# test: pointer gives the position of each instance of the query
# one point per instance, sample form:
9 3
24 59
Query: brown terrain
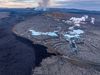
87 59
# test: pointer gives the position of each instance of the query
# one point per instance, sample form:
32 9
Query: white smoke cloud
42 5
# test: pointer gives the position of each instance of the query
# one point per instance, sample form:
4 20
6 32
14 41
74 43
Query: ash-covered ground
72 37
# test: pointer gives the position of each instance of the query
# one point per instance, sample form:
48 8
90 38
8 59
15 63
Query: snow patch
35 33
78 21
78 31
71 28
92 20
73 34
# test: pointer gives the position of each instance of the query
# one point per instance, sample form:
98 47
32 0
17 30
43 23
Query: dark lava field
17 55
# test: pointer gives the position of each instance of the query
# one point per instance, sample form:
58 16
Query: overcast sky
78 4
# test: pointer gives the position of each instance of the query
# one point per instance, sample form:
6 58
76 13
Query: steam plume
42 5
